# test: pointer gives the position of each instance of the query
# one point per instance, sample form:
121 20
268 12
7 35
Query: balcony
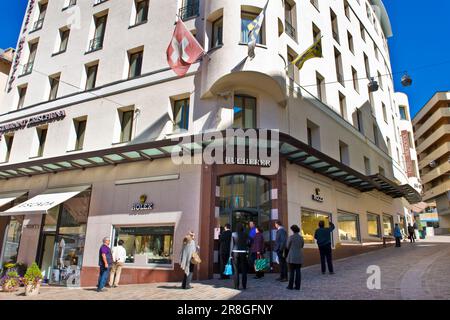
436 154
95 44
38 24
190 11
439 114
436 191
27 68
439 133
436 172
290 30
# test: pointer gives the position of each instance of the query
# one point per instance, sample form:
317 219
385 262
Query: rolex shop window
147 245
310 222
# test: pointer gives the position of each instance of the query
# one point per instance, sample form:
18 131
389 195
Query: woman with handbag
187 253
257 250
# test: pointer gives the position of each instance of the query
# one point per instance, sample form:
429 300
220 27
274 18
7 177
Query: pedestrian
323 238
412 236
295 246
224 249
105 262
119 255
252 228
280 249
240 245
397 235
187 251
257 250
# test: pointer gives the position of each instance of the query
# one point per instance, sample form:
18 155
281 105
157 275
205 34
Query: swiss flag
183 49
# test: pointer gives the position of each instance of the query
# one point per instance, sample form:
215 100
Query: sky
420 44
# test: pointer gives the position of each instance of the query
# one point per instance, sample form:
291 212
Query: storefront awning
396 191
40 204
10 197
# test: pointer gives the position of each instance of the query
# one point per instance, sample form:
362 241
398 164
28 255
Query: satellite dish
406 80
373 85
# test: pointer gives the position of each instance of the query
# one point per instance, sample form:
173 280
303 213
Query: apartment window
383 107
80 130
217 33
244 112
367 166
363 31
367 66
338 65
181 114
42 137
376 51
348 225
126 125
373 225
402 111
22 92
289 20
70 3
316 32
135 60
344 155
28 67
334 26
54 85
347 9
100 26
313 134
64 39
8 146
359 120
292 70
190 9
320 83
40 21
91 76
375 135
389 147
381 171
398 155
350 43
410 139
371 101
355 79
315 3
141 11
343 106
369 15
246 19
380 80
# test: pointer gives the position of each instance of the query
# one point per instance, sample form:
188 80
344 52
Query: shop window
244 112
217 33
310 222
246 19
373 225
12 240
348 226
181 114
388 225
147 245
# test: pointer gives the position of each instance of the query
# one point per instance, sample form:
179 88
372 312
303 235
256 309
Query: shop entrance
244 217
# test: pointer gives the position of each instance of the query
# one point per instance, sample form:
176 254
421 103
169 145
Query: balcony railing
95 44
290 30
27 68
38 24
190 11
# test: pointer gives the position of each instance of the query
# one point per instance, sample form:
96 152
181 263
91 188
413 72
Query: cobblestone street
415 271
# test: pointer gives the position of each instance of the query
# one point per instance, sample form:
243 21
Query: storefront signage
317 197
32 226
142 205
249 162
33 121
20 45
407 154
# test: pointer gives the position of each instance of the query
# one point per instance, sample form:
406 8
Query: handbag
228 268
262 264
196 258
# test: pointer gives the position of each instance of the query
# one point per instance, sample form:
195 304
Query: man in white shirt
119 256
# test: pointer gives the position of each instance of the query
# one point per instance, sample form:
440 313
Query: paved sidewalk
414 271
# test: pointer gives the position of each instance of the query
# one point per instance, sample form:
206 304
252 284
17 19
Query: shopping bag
228 268
262 264
196 258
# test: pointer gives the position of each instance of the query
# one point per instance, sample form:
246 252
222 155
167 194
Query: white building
88 120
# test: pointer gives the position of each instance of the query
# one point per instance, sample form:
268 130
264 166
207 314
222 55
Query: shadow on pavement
170 287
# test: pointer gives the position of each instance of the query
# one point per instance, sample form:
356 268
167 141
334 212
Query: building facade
432 129
6 58
92 135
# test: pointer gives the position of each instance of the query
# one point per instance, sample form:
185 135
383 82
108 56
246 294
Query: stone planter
32 290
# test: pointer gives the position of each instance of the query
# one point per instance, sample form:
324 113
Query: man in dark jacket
224 249
323 238
412 236
280 249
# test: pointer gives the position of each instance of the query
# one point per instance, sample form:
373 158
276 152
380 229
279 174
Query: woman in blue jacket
398 236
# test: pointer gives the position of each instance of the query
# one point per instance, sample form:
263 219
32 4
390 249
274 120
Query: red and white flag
183 49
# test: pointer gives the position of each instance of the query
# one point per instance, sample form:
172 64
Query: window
12 240
363 31
344 155
42 137
348 226
343 106
9 138
350 43
91 76
334 26
347 9
135 61
141 11
244 112
246 19
367 166
54 85
126 125
375 135
315 3
383 107
359 121
376 51
320 83
355 79
289 20
64 39
380 80
316 32
410 139
371 101
369 15
398 155
388 225
367 66
22 93
217 33
80 130
40 21
147 245
338 65
28 67
70 3
100 26
313 134
373 225
310 221
389 147
181 114
189 10
381 170
402 111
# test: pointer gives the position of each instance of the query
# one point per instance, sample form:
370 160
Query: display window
373 225
310 222
348 227
388 225
146 245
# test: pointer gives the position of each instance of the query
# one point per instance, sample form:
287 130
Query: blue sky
420 45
